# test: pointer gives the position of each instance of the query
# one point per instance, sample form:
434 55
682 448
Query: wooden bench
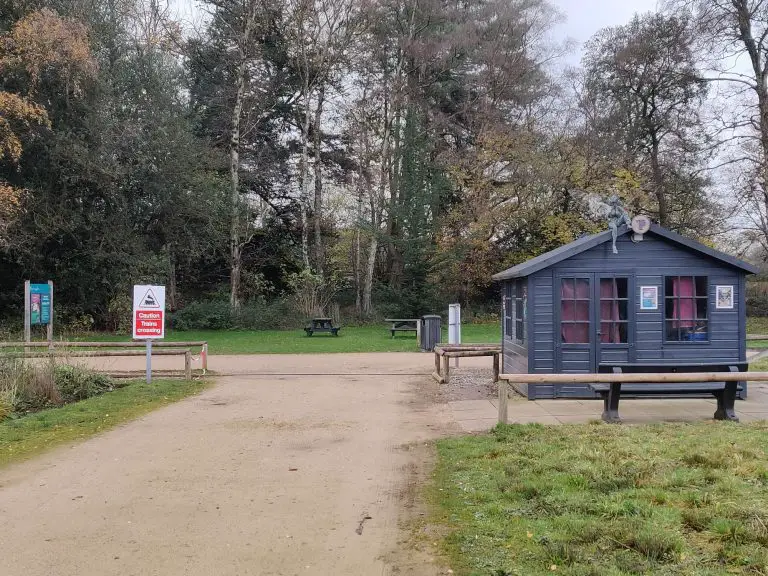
322 325
404 325
724 392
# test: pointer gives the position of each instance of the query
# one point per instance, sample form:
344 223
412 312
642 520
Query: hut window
509 301
614 310
686 306
574 310
521 297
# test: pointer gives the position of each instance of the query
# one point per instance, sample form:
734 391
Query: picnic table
404 325
322 325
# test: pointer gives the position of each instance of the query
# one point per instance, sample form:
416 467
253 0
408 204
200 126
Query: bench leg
445 374
611 403
726 402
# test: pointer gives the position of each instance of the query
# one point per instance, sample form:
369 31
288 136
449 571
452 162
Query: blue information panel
40 304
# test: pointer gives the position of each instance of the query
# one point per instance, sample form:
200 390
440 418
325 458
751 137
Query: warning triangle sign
149 300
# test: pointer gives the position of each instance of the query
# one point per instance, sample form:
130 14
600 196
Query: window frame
628 322
519 301
509 299
589 323
695 297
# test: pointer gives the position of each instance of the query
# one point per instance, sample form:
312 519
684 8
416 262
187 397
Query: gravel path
263 474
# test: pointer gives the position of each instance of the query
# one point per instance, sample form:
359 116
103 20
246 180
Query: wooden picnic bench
322 325
724 392
404 325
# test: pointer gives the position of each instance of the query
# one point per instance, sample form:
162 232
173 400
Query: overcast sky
583 17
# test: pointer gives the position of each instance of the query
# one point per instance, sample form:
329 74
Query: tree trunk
358 271
304 179
235 245
368 287
173 296
658 183
318 208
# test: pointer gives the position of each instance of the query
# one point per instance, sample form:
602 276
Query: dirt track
262 474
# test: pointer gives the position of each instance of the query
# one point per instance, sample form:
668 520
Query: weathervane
616 217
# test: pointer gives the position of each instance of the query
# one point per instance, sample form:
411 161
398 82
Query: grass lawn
375 338
606 500
30 435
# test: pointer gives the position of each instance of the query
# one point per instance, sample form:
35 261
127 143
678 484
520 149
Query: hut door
613 322
574 332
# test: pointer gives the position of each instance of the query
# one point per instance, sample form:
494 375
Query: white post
454 326
27 312
149 361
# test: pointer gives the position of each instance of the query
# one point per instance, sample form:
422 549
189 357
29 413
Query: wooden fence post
496 367
188 365
204 354
503 399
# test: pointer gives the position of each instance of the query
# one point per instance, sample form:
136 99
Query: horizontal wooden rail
625 378
186 352
203 345
757 336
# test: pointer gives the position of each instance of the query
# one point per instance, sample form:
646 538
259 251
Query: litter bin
430 332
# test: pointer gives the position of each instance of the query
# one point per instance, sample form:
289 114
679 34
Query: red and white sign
148 312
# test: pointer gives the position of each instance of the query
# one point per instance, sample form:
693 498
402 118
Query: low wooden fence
448 351
203 346
627 378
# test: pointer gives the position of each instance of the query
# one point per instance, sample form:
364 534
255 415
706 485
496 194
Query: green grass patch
606 500
30 435
375 338
757 325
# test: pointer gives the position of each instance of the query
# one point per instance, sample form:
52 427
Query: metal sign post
148 318
454 326
149 361
38 309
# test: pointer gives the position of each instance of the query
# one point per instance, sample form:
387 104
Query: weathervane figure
616 217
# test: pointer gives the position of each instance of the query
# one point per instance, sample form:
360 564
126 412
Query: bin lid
431 316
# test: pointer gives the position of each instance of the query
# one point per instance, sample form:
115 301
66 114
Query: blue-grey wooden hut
662 299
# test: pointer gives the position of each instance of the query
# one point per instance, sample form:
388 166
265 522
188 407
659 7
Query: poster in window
649 298
724 298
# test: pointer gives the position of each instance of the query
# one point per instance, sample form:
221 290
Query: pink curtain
574 310
684 308
609 312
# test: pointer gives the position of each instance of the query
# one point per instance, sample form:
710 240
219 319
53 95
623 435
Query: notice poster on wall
724 300
649 298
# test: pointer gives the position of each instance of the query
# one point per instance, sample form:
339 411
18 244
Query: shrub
205 315
27 387
254 315
75 383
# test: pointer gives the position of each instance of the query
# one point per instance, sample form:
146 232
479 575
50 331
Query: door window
614 310
574 310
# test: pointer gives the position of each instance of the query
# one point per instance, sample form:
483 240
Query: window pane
623 307
607 289
568 310
575 333
623 332
701 286
669 307
701 308
582 288
520 334
668 283
567 291
673 332
622 287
